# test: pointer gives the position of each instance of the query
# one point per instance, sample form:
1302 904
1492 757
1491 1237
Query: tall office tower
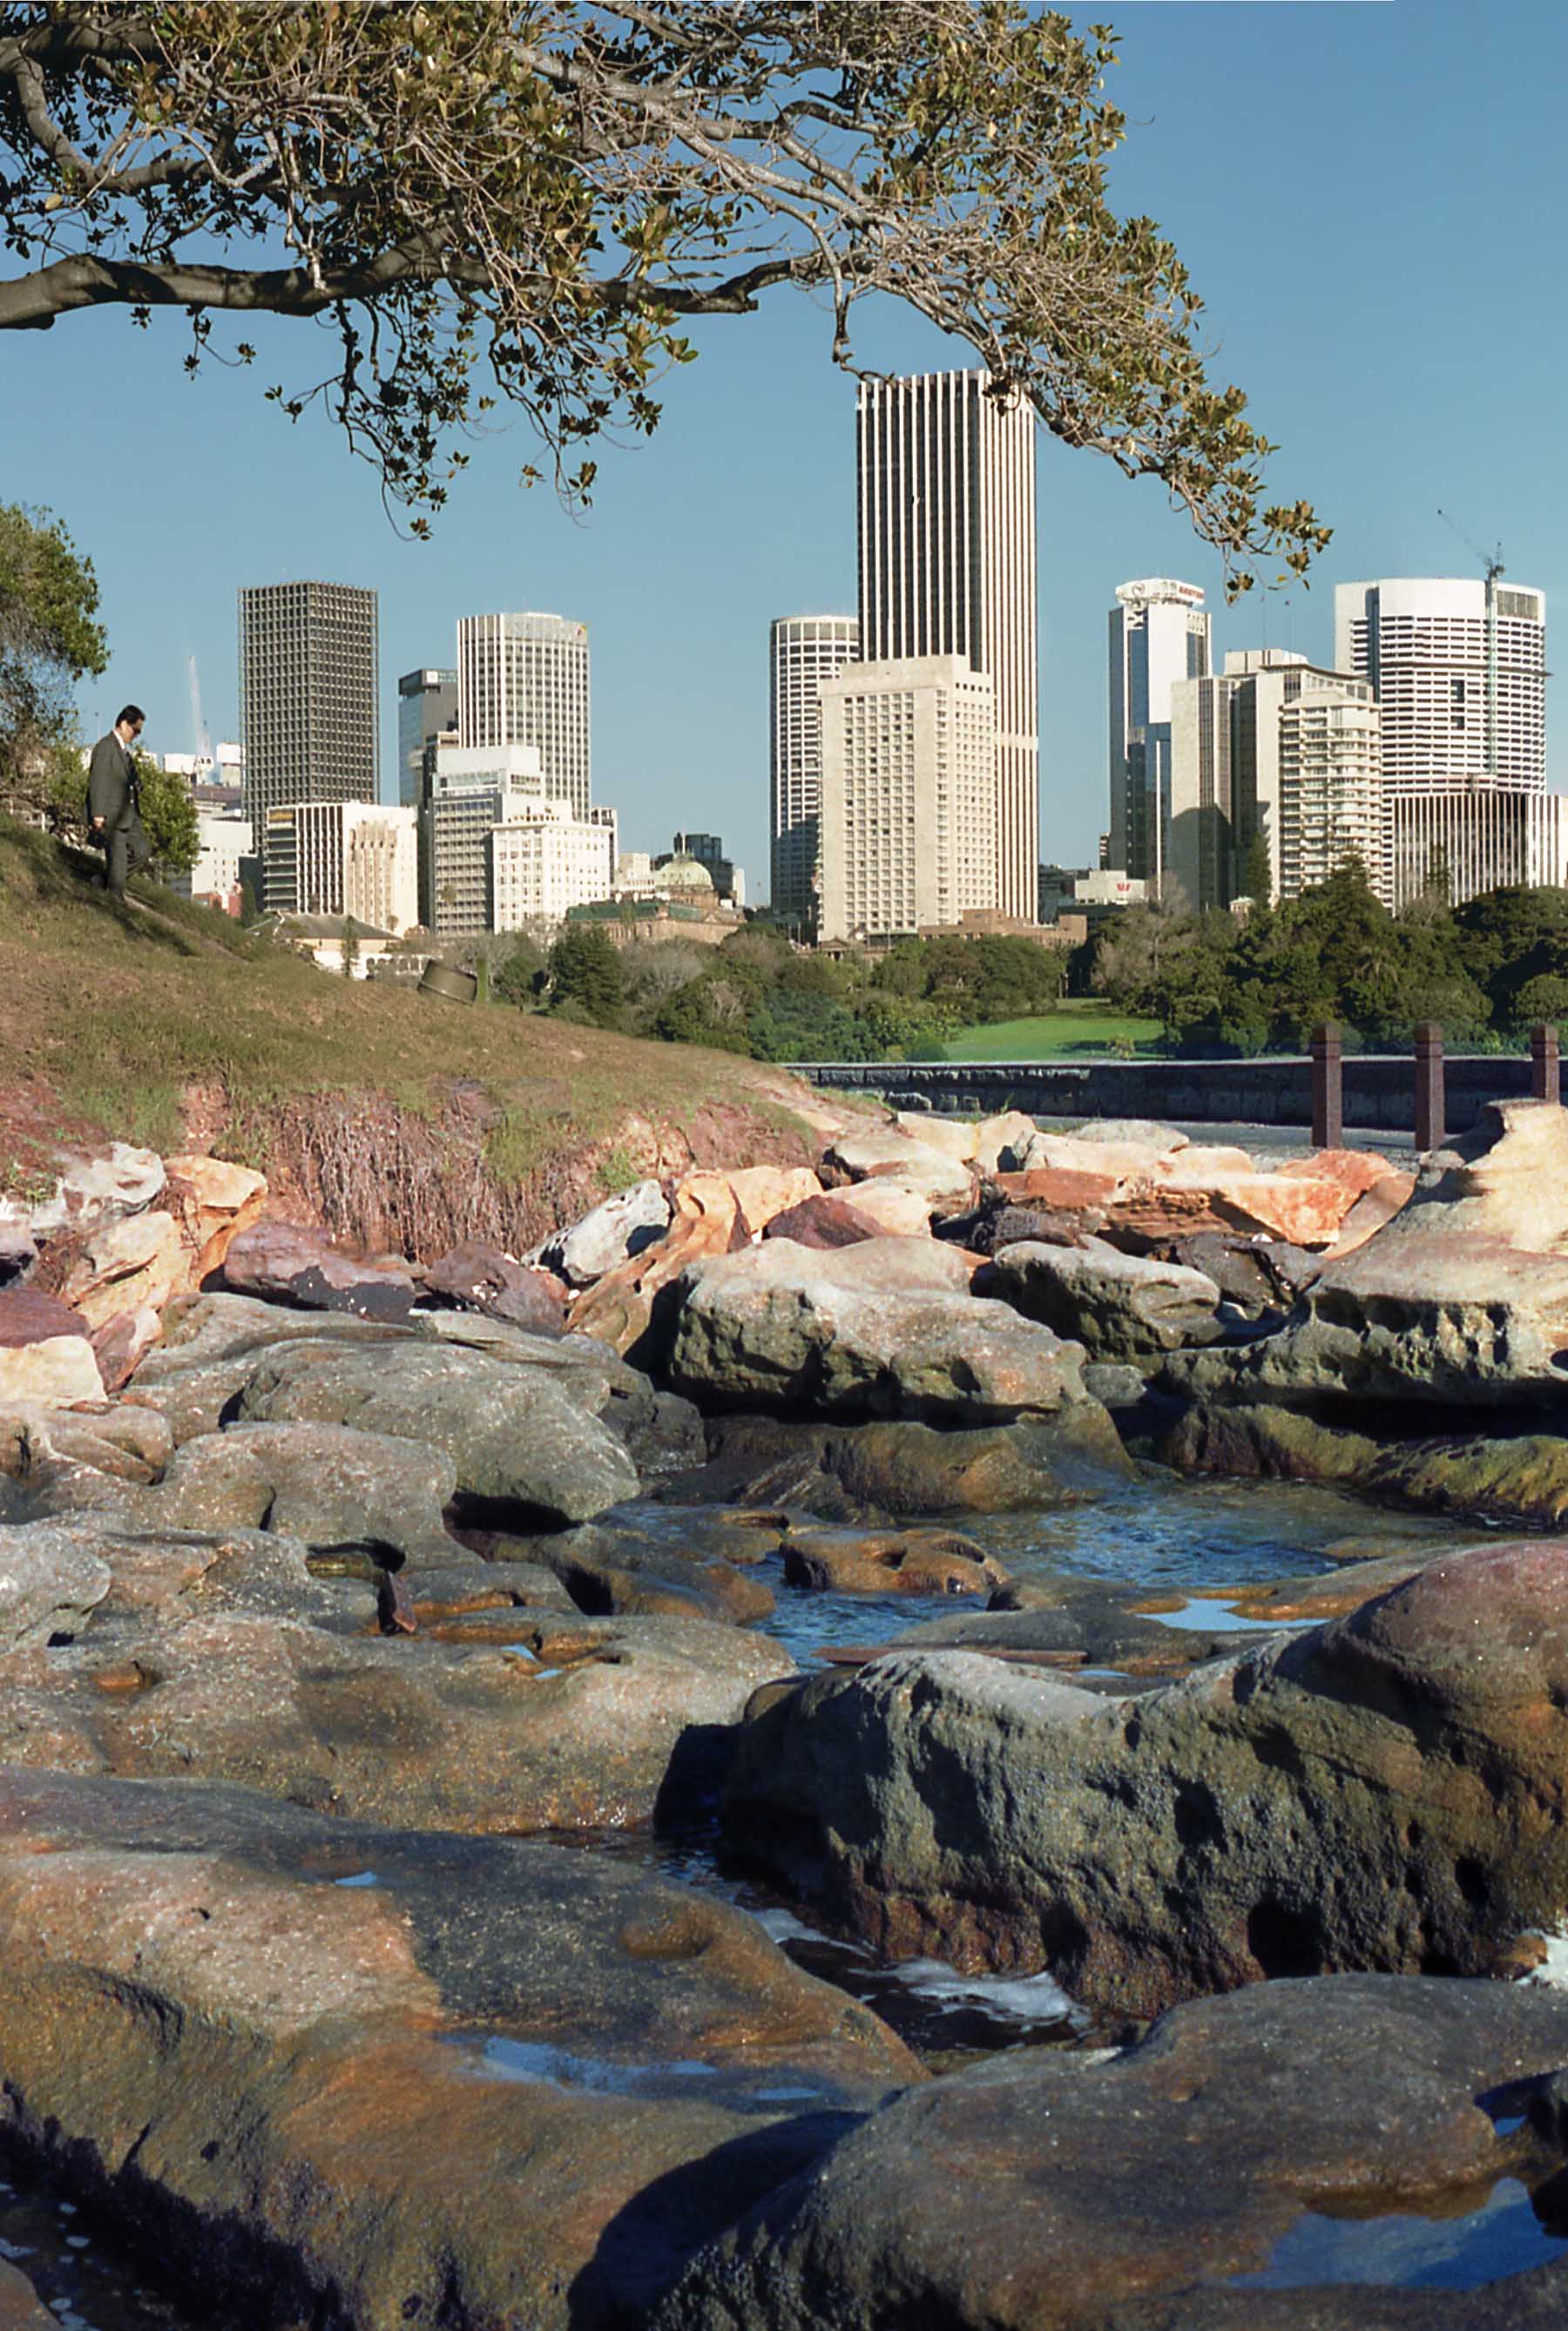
908 832
1274 747
1159 634
472 790
426 712
523 680
802 652
1462 690
947 567
309 695
342 858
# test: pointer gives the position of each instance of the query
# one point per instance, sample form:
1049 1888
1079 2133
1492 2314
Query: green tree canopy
528 199
585 976
48 637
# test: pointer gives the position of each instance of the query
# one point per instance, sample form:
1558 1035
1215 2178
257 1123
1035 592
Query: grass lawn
1078 1029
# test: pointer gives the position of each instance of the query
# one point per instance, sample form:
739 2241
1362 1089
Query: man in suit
114 801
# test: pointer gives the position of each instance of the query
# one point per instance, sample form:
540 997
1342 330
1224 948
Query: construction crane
1494 567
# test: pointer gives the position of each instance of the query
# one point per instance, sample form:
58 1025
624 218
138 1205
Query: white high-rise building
543 866
523 680
909 837
221 844
357 859
472 789
1462 697
947 568
1159 635
803 652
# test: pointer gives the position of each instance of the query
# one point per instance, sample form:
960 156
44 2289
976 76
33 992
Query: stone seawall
1379 1087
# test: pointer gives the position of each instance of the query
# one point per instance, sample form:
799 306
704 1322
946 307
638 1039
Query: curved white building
1159 636
1424 643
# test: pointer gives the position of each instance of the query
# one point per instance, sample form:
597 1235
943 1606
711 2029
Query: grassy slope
111 1019
1076 1030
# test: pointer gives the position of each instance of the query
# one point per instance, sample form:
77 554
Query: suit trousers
126 850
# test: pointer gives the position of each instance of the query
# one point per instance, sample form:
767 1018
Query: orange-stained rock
1067 1190
1355 1170
888 1208
890 1562
136 1260
1306 1211
123 1342
1372 1211
714 1214
212 1199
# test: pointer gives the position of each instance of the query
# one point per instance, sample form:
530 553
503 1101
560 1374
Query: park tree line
1217 983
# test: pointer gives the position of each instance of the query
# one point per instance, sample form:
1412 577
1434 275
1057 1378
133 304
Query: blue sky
1370 199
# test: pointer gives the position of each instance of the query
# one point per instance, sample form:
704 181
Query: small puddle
1209 1614
1406 2251
538 2060
88 2281
359 1878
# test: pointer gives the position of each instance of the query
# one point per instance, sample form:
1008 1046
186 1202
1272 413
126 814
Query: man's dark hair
133 713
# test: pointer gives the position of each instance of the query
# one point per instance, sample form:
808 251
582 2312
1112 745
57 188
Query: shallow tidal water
1161 1536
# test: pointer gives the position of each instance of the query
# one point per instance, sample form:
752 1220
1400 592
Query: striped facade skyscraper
523 680
947 568
805 651
309 696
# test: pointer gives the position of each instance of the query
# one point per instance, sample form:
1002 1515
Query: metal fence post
1429 1128
1328 1089
1545 1072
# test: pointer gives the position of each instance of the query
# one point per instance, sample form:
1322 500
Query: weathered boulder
49 1583
326 1484
1001 1141
1255 1274
859 1472
18 1247
45 1354
1385 1791
886 1328
707 1219
622 1572
1461 1299
951 1135
127 1441
1289 2137
213 1200
474 1276
1303 1209
1372 1211
555 1720
289 1262
524 1449
122 1343
339 2075
93 1190
889 1562
863 1157
134 1262
1133 1133
890 1207
1118 1307
823 1222
1125 1151
1085 1195
211 1345
613 1233
21 2309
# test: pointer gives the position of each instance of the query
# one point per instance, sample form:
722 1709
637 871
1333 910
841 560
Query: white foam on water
1552 1973
1023 1999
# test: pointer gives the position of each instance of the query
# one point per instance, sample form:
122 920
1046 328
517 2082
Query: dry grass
117 1019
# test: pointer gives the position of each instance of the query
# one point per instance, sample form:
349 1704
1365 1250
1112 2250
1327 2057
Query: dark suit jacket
112 789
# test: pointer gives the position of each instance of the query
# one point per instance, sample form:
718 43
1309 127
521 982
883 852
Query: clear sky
1372 199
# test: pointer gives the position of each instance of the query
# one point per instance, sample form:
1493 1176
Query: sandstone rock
47 1583
21 2309
890 1207
93 1190
619 1307
627 1573
1149 2192
289 1262
1133 1133
477 1278
824 1221
870 1471
885 1328
373 2079
1117 1383
999 1225
889 1562
1118 1307
121 1344
523 1449
862 1156
949 1134
213 1200
1000 1142
1305 1211
327 1485
1373 1209
1255 1274
1461 1300
1356 1171
128 1441
1381 1792
136 1261
614 1232
1129 1159
1086 1195
18 1247
566 1722
29 1316
44 1352
763 1191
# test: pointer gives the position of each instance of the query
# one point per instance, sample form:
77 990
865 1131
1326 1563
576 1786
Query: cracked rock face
1386 1790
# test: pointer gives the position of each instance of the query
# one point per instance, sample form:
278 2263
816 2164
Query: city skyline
732 514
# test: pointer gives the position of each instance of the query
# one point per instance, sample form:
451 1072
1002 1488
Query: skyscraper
908 776
523 680
1463 697
947 568
309 695
1159 634
426 711
803 652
